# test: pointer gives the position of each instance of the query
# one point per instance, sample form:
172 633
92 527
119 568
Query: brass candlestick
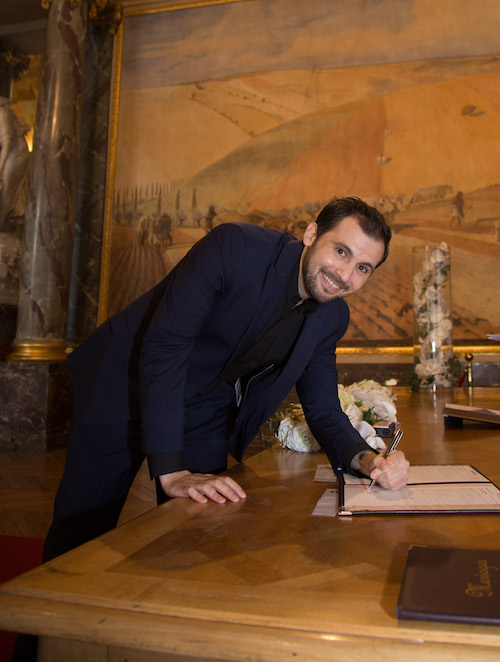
468 369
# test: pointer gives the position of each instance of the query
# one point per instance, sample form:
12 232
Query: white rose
430 367
383 409
369 435
345 398
296 436
353 413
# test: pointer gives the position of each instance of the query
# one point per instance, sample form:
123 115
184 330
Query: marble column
50 209
35 388
90 204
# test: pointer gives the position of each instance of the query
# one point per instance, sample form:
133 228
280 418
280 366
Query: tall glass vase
432 337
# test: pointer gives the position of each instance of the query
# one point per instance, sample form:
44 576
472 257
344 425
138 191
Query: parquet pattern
28 484
258 579
29 481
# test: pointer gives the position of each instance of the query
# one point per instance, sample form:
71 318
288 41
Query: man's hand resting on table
201 487
390 473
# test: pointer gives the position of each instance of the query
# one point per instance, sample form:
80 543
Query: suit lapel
275 284
301 352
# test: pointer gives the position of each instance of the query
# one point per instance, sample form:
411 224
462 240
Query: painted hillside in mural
272 148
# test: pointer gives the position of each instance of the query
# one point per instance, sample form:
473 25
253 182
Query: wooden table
263 580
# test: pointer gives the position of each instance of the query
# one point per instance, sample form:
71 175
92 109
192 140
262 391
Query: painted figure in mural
192 369
457 213
14 159
209 218
164 229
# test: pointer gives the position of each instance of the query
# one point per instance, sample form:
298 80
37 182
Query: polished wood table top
263 579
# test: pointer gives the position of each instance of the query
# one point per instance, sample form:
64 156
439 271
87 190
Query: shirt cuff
165 463
362 447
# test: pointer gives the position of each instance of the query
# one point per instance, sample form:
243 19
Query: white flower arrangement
365 403
434 361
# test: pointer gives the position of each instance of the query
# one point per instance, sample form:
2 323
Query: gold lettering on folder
482 589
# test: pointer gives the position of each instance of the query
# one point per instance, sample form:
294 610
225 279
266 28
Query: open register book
460 412
435 488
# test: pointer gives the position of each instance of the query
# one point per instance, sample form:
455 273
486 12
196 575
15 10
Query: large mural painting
263 111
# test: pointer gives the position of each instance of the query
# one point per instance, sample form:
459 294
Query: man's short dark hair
371 221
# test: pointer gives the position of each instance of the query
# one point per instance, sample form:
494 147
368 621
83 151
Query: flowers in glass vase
433 351
366 403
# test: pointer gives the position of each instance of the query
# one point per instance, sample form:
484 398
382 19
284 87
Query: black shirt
278 336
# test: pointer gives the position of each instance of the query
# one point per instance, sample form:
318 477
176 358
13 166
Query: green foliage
367 414
414 381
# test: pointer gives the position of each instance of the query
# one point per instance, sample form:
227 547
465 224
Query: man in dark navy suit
192 369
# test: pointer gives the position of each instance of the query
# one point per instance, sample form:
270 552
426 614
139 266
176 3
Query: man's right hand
201 487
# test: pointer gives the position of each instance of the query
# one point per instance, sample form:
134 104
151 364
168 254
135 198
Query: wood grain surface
263 579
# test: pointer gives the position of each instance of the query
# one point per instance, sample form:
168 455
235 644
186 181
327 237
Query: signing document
440 488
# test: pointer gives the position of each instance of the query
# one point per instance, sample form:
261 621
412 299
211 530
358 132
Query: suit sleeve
318 393
205 273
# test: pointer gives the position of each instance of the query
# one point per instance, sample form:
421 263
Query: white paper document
423 498
324 474
440 488
429 473
326 505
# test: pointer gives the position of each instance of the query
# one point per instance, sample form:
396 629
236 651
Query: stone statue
14 159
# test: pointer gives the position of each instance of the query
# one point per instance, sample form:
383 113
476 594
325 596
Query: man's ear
310 234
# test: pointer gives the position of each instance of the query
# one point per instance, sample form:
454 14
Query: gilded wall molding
139 8
407 350
109 192
99 11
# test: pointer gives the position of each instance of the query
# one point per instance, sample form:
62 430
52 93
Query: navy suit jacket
173 343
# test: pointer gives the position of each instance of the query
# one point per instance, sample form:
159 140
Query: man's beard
311 276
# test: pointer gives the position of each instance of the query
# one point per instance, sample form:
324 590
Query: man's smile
333 282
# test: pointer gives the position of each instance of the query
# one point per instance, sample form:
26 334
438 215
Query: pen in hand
391 447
